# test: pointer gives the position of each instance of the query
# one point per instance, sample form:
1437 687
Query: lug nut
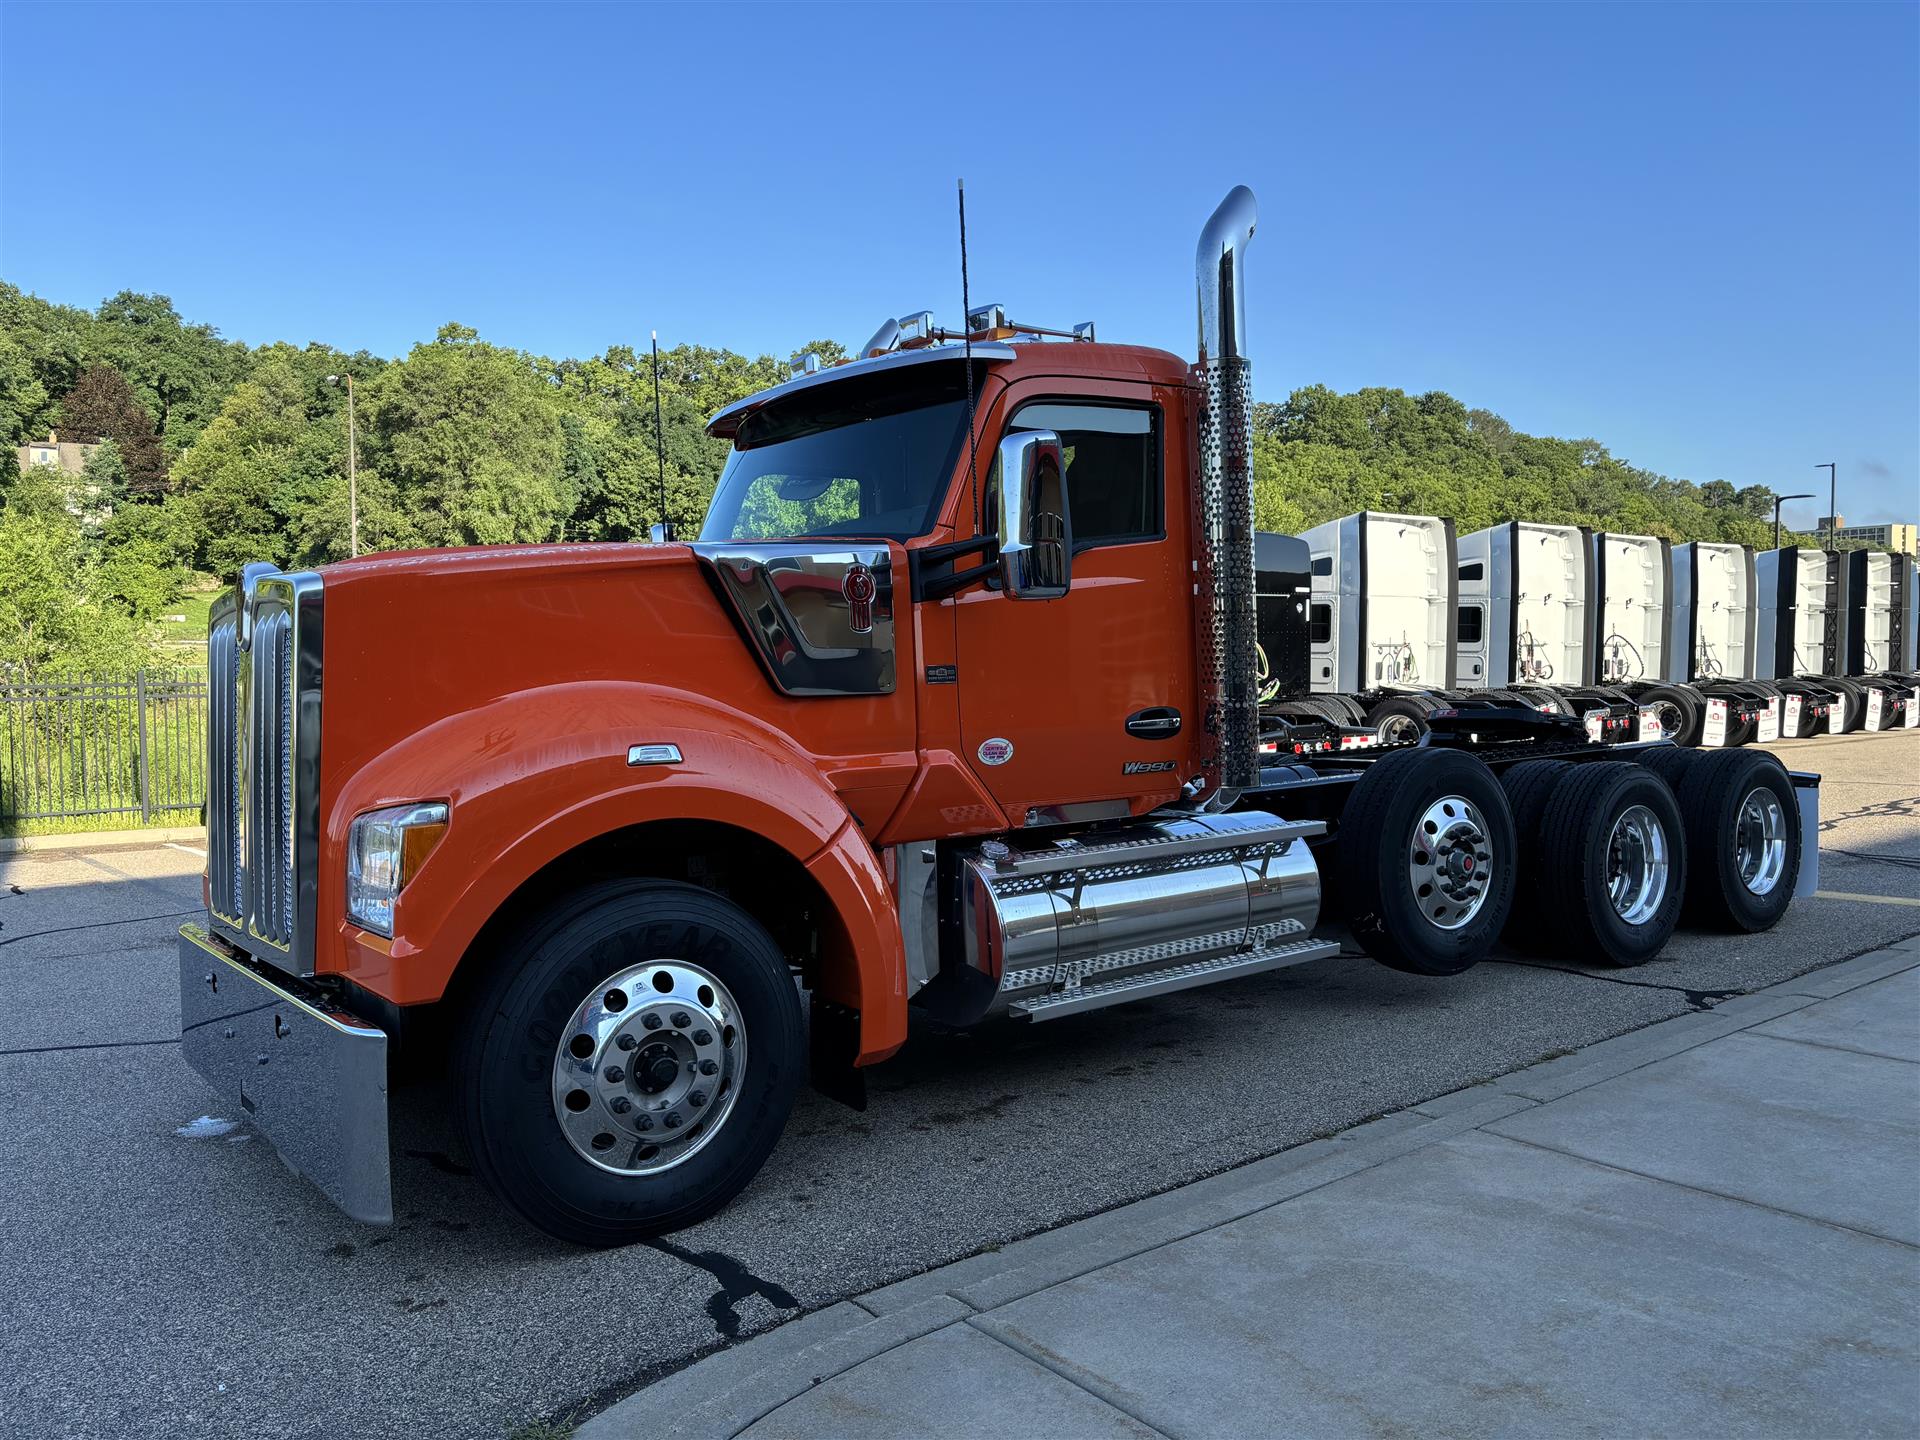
707 1067
615 1074
697 1099
626 1042
621 1105
703 1037
644 1122
673 1120
681 1019
652 1021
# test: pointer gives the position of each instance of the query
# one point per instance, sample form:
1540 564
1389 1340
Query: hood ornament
859 588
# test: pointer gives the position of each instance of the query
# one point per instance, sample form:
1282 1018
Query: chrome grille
263 738
269 863
225 878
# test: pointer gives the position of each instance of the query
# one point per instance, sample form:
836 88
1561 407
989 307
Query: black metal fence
89 748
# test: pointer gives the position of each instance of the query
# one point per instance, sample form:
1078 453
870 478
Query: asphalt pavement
161 1283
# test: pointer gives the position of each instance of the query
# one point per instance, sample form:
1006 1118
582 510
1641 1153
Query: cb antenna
660 438
966 328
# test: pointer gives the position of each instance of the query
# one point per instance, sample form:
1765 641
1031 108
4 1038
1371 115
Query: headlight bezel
386 849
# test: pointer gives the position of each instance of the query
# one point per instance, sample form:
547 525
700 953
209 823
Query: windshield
869 457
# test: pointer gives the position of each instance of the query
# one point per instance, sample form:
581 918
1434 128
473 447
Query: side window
1113 468
1467 629
1473 571
1323 565
1319 624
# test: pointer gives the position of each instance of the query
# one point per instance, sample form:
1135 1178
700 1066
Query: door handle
1162 722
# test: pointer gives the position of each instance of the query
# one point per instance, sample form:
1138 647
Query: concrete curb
102 839
728 1391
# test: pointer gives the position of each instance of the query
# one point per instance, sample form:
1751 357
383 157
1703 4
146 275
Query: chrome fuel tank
1159 894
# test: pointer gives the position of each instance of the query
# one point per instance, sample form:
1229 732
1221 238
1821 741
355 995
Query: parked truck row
955 705
1701 643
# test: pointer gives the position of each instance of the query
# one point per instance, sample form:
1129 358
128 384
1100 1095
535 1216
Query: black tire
1399 713
1378 830
1689 710
1712 795
1527 786
1347 708
1594 809
1852 703
507 1047
1669 762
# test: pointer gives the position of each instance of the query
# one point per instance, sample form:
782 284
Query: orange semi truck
953 704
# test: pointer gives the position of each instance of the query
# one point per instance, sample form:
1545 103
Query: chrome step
1077 998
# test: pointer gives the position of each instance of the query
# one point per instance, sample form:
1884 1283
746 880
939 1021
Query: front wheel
631 1061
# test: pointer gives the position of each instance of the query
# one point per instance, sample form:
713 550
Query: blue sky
1693 233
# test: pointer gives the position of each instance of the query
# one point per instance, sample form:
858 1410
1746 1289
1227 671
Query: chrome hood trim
819 615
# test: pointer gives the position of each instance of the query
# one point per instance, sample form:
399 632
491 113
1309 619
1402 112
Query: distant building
1831 522
69 456
1897 538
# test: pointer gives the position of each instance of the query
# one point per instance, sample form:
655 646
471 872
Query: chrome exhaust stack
1223 500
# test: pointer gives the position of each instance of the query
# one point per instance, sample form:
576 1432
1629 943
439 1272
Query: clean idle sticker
995 751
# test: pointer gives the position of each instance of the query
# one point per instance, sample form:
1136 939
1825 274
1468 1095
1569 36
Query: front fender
533 775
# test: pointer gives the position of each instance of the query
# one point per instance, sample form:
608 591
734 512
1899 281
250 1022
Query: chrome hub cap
1450 862
648 1067
1672 722
1637 865
1399 730
1760 840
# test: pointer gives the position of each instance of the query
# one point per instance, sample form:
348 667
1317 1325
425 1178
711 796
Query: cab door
1083 706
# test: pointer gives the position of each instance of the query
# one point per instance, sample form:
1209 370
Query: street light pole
1778 501
353 468
1833 503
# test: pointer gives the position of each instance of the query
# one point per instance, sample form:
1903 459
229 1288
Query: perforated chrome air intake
1223 496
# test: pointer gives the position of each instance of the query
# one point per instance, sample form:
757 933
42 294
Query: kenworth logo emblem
859 588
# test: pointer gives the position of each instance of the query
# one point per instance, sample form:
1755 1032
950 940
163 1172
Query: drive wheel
1527 786
1743 832
1612 863
1850 706
630 1062
1426 861
1680 714
1401 720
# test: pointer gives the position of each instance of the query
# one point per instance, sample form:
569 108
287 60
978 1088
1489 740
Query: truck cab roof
1012 359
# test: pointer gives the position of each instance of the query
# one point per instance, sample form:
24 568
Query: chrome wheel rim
1637 865
1399 730
1450 862
1760 840
1671 720
648 1067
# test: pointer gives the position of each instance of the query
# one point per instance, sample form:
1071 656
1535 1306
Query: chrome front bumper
311 1078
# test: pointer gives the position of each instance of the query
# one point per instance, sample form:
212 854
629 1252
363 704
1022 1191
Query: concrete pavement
1710 1226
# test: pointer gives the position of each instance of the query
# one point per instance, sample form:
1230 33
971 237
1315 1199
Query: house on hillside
69 456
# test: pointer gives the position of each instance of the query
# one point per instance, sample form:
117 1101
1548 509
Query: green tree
179 371
53 341
266 479
58 612
468 436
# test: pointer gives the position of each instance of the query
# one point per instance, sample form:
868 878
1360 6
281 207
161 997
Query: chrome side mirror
1036 533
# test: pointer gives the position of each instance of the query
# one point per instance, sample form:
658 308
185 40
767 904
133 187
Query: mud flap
835 1041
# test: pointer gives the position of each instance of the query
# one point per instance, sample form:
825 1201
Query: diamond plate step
1164 982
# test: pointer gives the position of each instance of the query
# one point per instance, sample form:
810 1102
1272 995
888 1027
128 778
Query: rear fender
532 776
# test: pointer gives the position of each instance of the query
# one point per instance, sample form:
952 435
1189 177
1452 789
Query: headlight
385 849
